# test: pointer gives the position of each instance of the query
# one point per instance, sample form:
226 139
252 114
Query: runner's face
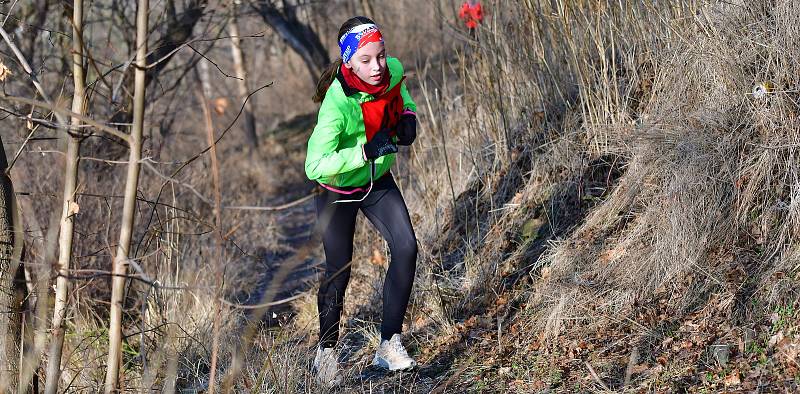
369 63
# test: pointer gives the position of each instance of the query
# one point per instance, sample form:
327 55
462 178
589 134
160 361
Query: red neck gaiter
355 82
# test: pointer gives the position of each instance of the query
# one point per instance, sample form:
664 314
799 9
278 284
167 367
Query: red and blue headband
356 38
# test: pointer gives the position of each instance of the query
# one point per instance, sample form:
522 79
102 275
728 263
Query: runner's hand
380 145
406 129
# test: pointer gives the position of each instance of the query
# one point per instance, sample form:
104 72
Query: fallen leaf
502 300
733 378
377 257
545 272
471 322
773 340
655 371
4 72
74 208
220 105
789 350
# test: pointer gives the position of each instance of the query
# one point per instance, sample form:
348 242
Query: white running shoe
326 367
392 355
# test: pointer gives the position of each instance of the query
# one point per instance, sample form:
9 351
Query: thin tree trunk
120 267
10 316
179 29
300 37
211 139
21 301
70 205
32 358
241 82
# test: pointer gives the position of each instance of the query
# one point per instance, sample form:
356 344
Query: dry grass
704 175
710 171
609 154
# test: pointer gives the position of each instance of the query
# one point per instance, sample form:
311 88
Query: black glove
406 129
381 144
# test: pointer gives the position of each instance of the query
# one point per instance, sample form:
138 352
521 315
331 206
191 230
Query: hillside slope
607 200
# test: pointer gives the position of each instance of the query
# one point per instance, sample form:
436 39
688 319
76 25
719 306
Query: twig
25 65
499 333
443 388
173 180
212 62
63 111
188 43
275 208
21 147
235 207
263 305
632 361
92 274
28 26
9 13
596 378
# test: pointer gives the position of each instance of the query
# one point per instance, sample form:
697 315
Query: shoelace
398 348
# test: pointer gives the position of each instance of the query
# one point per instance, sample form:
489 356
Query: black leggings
386 210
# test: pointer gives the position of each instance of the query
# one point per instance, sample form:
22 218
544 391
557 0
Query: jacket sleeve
323 159
408 102
397 69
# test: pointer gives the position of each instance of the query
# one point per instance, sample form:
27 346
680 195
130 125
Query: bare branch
59 111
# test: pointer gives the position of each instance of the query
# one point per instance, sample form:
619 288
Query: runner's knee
405 250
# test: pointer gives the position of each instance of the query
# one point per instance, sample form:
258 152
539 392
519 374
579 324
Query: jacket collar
348 90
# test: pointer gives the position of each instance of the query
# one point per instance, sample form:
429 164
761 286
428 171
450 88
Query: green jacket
334 149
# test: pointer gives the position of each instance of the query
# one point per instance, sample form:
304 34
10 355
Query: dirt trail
294 267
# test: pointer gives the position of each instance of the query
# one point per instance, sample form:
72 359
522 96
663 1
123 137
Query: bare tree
70 206
179 27
28 364
10 310
120 266
203 93
32 16
241 81
299 36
